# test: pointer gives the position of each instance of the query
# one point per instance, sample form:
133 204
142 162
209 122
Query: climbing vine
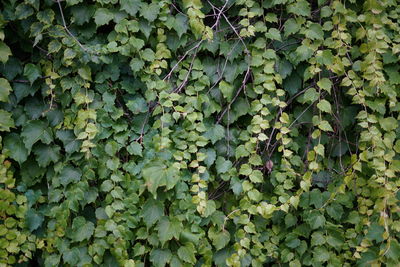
199 133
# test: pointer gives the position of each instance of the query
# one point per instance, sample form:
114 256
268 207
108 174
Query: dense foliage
199 133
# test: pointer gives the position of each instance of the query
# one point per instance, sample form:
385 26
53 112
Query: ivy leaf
150 12
321 254
148 55
284 68
186 253
157 174
103 16
226 90
325 126
315 220
13 142
131 6
220 240
85 73
23 11
211 155
134 149
315 32
335 210
71 144
46 154
5 52
138 105
32 72
215 133
152 211
5 89
136 64
292 84
324 106
325 84
388 124
33 220
34 131
167 229
6 121
291 27
301 8
375 232
69 174
81 229
223 165
181 24
82 14
160 257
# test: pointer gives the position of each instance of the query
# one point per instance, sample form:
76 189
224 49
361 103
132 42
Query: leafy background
199 133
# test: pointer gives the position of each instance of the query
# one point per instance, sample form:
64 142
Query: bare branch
66 28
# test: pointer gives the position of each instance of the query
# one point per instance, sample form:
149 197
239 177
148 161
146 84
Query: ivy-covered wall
199 133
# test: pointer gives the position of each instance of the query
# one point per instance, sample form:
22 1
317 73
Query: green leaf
134 149
152 211
223 165
168 229
103 16
69 174
180 24
215 133
256 176
220 240
131 6
311 95
317 239
46 154
186 253
325 84
14 144
301 8
150 11
292 84
321 254
273 34
226 90
137 43
71 144
157 174
5 89
335 210
160 257
136 64
34 131
54 46
315 32
32 72
33 220
6 121
324 106
148 55
81 229
138 105
5 52
388 124
315 220
284 68
23 11
291 27
211 156
325 126
85 73
375 232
